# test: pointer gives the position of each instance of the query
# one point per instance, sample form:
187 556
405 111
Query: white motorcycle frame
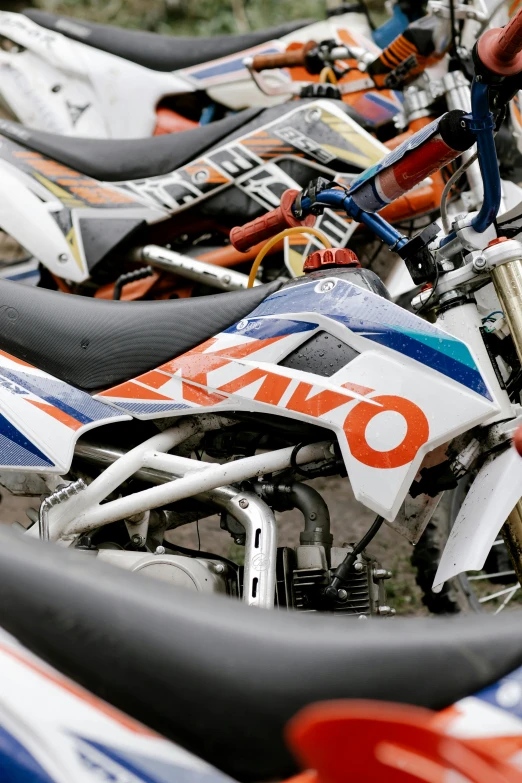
102 95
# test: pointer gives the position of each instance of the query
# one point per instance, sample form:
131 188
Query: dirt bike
109 240
94 214
413 406
74 77
234 687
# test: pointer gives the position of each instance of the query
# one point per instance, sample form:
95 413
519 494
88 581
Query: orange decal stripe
57 414
319 404
14 359
133 391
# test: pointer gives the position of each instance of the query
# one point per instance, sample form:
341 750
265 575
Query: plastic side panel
53 731
412 388
41 418
493 495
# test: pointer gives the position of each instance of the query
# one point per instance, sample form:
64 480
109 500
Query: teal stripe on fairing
454 348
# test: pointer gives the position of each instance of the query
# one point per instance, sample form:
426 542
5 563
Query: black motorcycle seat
118 160
155 51
94 344
222 679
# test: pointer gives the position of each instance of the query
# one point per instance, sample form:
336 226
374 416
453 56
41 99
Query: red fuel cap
336 256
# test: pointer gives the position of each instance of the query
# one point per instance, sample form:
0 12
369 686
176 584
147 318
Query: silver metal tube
260 542
200 271
256 517
199 478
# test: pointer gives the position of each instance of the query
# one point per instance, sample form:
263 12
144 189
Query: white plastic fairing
493 495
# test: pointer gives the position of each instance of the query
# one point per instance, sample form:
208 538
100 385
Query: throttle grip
268 225
500 50
290 59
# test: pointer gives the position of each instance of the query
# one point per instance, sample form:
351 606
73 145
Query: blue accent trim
146 768
417 349
24 275
16 449
383 322
392 28
481 122
17 765
150 407
490 694
384 103
207 114
342 200
220 69
77 404
267 328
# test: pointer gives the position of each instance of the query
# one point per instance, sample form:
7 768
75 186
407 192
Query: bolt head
219 568
136 539
313 516
342 595
243 503
226 279
160 550
63 258
358 567
238 540
479 263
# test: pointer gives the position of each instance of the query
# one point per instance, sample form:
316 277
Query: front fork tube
507 279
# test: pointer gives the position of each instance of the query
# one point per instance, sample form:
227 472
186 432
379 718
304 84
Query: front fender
491 498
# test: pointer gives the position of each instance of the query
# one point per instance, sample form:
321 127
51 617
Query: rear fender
493 495
28 219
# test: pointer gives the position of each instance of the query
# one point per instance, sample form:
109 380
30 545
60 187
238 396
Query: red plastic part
500 50
336 256
517 440
168 121
364 741
267 226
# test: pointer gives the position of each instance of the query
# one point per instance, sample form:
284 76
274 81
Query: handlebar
270 224
290 59
500 50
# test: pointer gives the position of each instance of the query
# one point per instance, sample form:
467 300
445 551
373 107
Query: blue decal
17 450
383 322
145 768
149 407
17 765
220 69
67 399
506 694
265 329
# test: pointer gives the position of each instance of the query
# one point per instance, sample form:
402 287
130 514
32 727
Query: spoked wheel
494 589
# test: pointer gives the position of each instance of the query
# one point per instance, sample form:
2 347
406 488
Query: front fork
507 279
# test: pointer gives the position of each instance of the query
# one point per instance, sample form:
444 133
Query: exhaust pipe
200 271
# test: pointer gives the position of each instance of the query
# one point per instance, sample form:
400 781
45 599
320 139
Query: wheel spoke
496 595
490 576
507 599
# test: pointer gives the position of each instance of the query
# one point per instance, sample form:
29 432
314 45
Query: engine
304 572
